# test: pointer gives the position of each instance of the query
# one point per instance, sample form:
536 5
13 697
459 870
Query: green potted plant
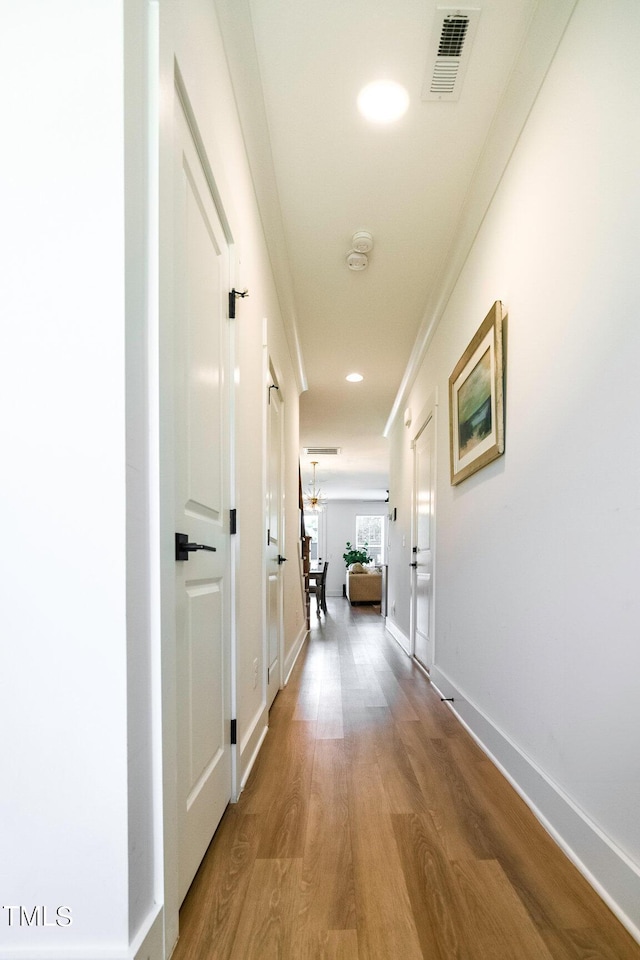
351 555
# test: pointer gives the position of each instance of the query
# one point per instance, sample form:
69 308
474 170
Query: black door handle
184 548
281 559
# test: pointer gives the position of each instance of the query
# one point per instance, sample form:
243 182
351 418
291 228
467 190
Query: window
311 529
370 536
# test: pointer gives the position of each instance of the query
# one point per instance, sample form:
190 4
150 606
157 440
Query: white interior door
275 541
201 508
423 525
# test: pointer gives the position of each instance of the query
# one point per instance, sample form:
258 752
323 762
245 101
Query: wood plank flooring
373 828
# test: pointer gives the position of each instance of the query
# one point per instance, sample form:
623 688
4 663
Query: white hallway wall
75 644
537 606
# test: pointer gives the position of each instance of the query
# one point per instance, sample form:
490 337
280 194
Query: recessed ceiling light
383 101
355 377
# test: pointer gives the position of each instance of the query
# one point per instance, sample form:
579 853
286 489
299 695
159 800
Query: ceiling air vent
322 451
449 53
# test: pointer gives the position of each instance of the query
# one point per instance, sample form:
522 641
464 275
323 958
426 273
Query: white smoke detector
362 241
357 261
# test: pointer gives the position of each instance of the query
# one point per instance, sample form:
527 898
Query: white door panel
275 544
424 510
201 509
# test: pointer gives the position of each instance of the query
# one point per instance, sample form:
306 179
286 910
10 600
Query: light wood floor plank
267 926
360 724
401 786
307 702
374 828
456 817
212 911
495 925
327 893
372 693
436 718
327 945
399 704
330 720
553 891
432 887
591 944
340 945
279 789
385 923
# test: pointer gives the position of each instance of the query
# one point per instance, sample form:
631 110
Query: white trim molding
294 653
260 727
255 741
249 746
150 946
397 634
608 869
147 945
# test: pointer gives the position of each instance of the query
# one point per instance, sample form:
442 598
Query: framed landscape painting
476 403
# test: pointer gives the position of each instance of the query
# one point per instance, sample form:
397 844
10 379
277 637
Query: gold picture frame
476 400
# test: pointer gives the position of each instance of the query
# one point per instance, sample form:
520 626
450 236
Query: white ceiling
322 172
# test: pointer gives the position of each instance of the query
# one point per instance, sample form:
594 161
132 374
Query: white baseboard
607 868
250 746
398 635
248 767
294 653
148 945
259 726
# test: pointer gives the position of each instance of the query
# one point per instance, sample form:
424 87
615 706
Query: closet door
201 437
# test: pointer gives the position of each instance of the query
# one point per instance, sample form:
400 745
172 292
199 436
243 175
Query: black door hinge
233 295
234 731
232 521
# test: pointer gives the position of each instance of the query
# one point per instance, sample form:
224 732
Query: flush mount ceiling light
354 377
383 101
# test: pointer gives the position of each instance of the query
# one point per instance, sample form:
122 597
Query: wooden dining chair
319 587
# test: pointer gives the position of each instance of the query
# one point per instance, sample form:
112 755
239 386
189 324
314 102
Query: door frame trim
428 413
273 375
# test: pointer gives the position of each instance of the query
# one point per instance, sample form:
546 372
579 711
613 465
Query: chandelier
313 499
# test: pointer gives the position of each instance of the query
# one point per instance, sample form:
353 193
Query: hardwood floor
373 828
